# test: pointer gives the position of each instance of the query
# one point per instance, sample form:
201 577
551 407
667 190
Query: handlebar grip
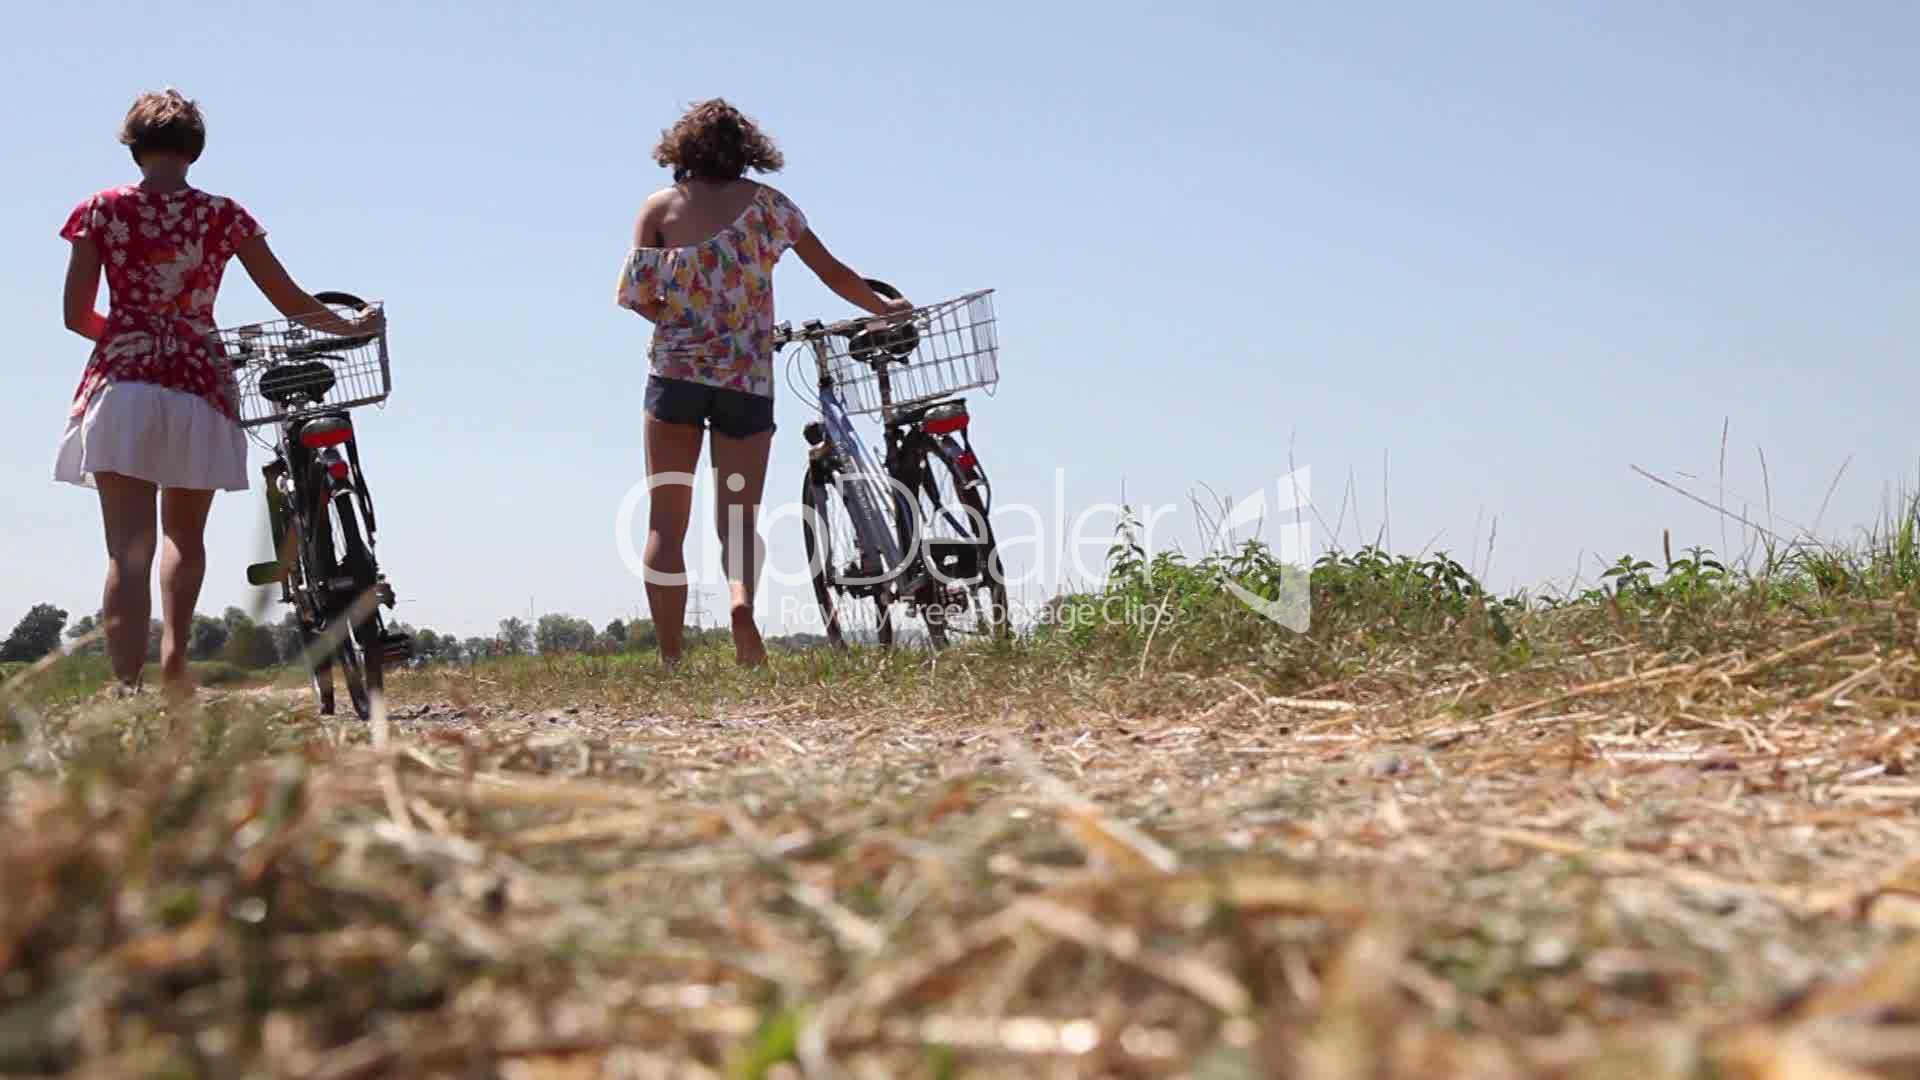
328 346
344 299
892 344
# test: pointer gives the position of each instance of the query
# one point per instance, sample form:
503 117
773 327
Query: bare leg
740 469
126 508
183 566
672 452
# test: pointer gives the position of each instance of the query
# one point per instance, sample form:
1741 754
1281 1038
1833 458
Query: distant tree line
233 637
553 634
237 639
561 634
35 635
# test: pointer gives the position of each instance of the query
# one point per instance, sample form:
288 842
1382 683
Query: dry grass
1648 850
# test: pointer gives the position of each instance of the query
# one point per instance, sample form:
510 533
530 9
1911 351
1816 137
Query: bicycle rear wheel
319 671
967 592
315 566
354 664
362 652
833 553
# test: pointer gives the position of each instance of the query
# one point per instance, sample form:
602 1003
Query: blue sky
1477 258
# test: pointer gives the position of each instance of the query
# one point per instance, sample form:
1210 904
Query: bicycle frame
861 486
302 482
864 482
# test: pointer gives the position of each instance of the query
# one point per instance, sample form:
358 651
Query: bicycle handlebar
878 328
328 345
784 334
343 299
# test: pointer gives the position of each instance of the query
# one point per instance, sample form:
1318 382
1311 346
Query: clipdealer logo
1277 518
1289 542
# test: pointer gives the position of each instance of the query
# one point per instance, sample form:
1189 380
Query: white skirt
168 437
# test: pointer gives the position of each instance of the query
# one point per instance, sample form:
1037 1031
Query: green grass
1372 613
72 678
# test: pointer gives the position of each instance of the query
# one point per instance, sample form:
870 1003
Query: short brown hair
714 141
165 121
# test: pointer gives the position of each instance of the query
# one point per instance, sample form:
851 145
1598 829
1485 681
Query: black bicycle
301 384
911 529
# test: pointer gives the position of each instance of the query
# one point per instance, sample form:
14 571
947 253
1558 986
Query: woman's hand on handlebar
368 321
359 324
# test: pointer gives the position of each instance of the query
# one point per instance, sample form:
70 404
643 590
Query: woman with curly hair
154 418
701 270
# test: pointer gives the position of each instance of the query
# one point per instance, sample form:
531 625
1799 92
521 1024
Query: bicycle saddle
309 379
894 343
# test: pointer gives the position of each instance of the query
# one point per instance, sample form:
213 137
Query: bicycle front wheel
840 573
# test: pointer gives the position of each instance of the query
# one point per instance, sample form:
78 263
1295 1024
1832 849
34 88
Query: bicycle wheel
353 667
319 671
315 566
832 552
304 566
362 653
967 591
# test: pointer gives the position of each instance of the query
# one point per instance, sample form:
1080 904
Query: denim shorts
733 413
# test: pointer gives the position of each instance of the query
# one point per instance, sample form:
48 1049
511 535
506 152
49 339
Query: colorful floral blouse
164 254
715 298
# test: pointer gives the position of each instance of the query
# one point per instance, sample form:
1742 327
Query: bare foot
178 689
120 691
748 649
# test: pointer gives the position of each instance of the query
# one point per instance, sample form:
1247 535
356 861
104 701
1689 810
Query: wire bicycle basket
939 350
282 368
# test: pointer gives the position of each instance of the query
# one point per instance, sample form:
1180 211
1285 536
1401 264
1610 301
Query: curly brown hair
715 141
165 121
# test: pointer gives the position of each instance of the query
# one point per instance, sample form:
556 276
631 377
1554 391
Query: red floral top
164 254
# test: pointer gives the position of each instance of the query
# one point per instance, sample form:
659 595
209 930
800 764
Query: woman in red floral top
155 413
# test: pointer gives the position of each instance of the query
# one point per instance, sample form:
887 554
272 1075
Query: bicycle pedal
396 646
264 573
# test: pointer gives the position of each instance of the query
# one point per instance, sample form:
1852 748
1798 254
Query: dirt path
1539 867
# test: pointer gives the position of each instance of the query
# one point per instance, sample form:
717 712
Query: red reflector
966 460
337 470
314 440
945 424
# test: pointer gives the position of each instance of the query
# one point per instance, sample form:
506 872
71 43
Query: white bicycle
910 530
